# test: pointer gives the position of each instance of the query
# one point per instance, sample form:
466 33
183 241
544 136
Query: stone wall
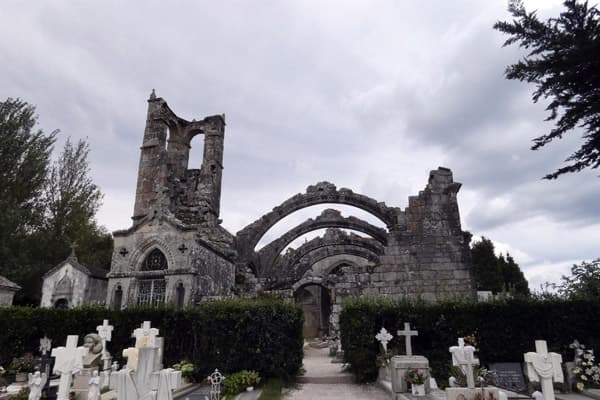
6 297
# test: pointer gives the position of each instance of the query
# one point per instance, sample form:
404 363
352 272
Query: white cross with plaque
145 336
463 357
545 367
407 333
69 360
105 333
384 338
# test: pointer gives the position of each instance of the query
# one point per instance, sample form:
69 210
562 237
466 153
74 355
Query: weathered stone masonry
176 249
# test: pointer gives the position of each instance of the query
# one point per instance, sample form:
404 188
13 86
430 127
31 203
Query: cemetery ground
254 349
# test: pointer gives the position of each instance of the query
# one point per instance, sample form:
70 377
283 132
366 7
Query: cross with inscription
123 252
105 333
182 248
145 336
69 360
463 357
407 333
545 367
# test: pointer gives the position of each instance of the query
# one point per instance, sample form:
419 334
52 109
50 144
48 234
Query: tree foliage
496 273
45 207
584 282
564 63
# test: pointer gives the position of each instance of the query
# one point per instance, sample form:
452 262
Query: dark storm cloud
370 96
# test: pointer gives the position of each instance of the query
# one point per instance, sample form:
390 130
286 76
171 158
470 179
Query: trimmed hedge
232 335
504 330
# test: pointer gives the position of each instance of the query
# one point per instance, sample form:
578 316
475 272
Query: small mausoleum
7 291
72 284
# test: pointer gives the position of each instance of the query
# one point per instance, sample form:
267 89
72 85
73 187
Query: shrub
504 330
237 382
264 335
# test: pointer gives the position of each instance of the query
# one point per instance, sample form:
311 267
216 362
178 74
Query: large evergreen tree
564 63
496 273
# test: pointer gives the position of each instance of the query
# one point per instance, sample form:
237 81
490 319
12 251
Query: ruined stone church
176 250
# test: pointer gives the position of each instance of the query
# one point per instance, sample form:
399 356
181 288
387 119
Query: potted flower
249 379
586 371
21 366
416 378
187 370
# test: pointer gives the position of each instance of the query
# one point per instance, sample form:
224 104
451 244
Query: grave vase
417 390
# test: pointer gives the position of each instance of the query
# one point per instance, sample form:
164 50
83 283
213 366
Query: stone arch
142 251
338 264
334 237
321 193
329 218
294 264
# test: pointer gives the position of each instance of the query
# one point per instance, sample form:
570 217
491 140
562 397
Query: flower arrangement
186 368
416 376
22 364
471 340
483 376
587 373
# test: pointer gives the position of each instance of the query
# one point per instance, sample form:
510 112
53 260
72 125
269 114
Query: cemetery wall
264 335
504 330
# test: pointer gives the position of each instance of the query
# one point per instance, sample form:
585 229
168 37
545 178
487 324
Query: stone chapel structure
176 250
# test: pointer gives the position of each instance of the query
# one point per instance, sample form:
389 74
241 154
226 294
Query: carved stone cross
407 333
45 345
105 333
463 357
123 252
182 248
69 360
545 367
384 338
145 336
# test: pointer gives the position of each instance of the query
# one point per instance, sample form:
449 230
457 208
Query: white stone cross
105 333
545 367
384 338
463 356
145 336
45 345
69 360
407 333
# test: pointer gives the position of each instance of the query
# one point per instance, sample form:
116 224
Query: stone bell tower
176 250
165 184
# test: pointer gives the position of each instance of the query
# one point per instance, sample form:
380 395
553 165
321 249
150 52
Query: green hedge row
504 330
232 335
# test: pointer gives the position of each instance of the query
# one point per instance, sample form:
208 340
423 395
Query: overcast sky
367 95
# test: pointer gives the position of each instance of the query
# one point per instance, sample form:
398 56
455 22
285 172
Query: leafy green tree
45 208
564 63
584 282
513 277
24 161
72 200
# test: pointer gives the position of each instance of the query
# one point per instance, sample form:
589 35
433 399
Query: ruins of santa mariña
176 250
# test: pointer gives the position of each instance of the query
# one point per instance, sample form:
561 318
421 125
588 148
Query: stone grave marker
463 357
544 367
68 361
401 364
384 337
509 376
408 333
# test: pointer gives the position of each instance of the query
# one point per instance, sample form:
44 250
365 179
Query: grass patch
272 390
